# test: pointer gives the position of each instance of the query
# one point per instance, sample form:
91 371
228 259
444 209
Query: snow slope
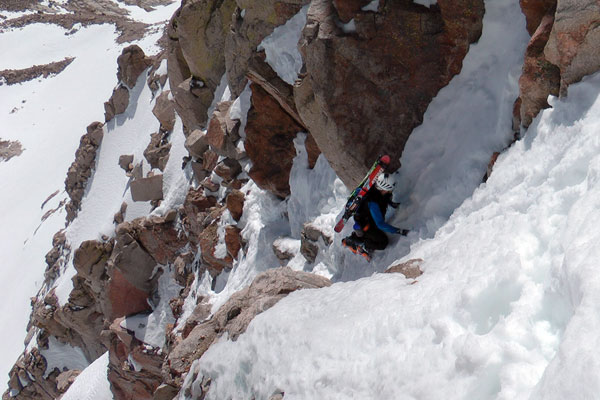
48 116
507 307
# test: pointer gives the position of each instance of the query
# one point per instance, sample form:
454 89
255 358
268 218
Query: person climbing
369 221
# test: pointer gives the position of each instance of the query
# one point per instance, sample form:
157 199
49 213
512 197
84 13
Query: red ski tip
385 159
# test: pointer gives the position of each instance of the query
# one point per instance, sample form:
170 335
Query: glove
402 232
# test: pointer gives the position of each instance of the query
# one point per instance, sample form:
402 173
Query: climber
369 220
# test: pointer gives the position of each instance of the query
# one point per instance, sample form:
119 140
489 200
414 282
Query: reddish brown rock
209 160
535 10
233 240
235 204
540 78
228 169
124 298
347 9
195 212
134 369
164 111
574 43
209 239
403 48
411 269
222 133
270 132
132 62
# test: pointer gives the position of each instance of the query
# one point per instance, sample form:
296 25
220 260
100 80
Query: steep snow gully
509 303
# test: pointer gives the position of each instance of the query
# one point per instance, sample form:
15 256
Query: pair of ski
361 191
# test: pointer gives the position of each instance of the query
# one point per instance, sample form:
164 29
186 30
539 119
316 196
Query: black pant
374 239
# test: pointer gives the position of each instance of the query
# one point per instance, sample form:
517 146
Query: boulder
117 104
222 133
270 132
209 160
285 249
209 239
574 43
411 269
126 162
228 169
539 78
235 204
146 189
131 63
233 240
199 172
157 152
403 48
164 111
260 18
234 316
196 143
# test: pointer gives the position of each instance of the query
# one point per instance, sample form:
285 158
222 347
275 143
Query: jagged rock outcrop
259 19
540 78
223 132
132 62
117 104
12 76
81 169
196 61
197 213
235 315
270 132
574 43
164 111
354 78
158 150
134 368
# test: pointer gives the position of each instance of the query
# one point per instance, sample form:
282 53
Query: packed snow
91 384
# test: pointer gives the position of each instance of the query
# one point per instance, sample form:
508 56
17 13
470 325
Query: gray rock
147 189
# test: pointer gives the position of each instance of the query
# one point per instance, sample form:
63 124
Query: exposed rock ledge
12 76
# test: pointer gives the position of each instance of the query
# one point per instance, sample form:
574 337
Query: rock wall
368 85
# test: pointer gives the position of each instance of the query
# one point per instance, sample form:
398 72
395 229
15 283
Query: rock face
574 43
196 60
81 169
356 77
132 62
270 132
117 103
164 111
540 78
235 315
147 189
247 31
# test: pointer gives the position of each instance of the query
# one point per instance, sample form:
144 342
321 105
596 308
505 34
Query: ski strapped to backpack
361 191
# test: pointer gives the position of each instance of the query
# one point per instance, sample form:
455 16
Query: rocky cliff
369 71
